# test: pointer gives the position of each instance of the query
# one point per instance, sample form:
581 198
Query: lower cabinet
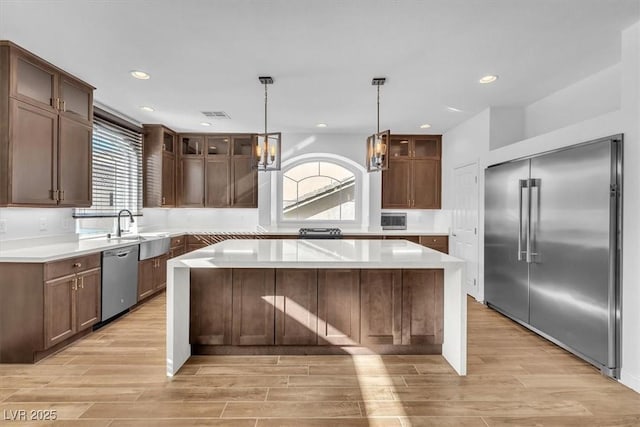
152 275
402 306
253 306
338 307
381 306
178 246
309 307
71 305
59 301
88 299
210 305
422 306
296 306
439 243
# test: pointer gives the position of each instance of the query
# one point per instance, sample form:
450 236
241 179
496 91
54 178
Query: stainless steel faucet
119 230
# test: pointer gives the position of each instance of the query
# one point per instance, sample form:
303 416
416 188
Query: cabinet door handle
64 105
81 282
163 201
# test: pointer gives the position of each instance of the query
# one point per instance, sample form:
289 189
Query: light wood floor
115 377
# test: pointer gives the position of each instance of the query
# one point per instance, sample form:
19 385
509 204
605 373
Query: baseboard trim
629 380
199 349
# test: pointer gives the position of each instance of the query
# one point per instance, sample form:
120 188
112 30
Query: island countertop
315 253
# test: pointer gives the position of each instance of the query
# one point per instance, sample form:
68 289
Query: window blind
117 170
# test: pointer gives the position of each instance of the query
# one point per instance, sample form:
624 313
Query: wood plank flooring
115 378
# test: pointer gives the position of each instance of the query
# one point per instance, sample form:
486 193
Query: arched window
320 190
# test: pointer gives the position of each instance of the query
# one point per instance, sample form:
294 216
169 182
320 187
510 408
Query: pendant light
378 143
267 145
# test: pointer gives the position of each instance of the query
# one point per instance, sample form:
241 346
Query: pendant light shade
267 146
378 143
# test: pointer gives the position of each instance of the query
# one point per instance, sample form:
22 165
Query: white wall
464 144
593 96
507 126
631 210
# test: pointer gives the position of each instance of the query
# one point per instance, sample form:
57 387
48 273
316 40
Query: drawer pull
77 265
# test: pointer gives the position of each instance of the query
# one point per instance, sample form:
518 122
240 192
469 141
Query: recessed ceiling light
404 141
455 110
425 126
321 125
488 79
205 123
146 108
140 75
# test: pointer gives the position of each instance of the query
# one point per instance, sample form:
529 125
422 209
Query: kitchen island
315 297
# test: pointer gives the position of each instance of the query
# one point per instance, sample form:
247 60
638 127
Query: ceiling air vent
216 115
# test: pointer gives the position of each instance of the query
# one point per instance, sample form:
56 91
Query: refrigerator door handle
522 184
531 235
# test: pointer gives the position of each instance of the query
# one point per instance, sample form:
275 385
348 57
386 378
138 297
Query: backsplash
23 223
194 219
26 223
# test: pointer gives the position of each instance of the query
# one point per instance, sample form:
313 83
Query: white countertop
344 253
51 249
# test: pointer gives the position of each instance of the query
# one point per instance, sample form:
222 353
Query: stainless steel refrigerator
552 247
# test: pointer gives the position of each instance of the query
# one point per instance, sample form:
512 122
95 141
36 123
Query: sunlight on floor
364 365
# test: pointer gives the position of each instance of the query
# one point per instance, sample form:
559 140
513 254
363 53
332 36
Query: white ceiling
322 54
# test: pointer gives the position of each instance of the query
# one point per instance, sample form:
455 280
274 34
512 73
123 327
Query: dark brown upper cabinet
159 167
45 133
191 145
413 179
216 171
244 176
191 171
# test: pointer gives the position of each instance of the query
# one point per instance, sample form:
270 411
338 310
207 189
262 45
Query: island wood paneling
316 311
422 306
296 306
381 306
253 306
338 307
210 305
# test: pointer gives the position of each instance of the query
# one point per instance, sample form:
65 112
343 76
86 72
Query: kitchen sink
151 245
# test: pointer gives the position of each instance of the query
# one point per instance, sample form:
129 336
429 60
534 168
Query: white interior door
464 237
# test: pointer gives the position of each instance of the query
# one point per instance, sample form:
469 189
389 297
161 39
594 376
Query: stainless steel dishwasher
119 280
